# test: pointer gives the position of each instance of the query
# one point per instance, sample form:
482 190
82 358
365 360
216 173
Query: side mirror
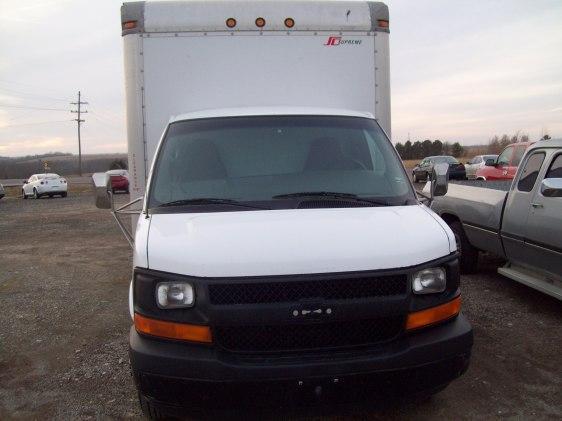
439 180
102 189
490 162
24 181
551 187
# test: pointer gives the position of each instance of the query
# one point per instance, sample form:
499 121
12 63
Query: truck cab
276 253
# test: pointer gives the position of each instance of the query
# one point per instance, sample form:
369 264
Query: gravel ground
64 274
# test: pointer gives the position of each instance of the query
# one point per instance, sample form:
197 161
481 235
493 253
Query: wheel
50 196
113 191
23 195
415 177
468 261
63 194
127 191
427 176
36 194
150 411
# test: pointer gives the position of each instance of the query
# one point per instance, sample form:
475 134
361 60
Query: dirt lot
64 274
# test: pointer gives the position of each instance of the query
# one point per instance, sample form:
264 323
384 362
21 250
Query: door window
519 152
505 157
530 172
555 170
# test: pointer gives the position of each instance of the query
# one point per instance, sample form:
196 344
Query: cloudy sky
461 71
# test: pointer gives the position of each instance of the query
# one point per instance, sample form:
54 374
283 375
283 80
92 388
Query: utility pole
79 121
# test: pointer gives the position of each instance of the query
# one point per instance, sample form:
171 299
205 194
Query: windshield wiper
316 194
208 201
332 195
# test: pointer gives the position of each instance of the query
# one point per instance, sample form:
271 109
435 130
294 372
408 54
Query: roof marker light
131 24
289 22
383 23
260 22
231 22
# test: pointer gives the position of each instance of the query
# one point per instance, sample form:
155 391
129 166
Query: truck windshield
270 158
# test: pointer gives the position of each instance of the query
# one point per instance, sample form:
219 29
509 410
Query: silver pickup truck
521 223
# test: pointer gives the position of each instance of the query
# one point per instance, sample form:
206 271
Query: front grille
311 336
291 291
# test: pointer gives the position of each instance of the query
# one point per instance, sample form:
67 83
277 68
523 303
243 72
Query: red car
119 180
505 166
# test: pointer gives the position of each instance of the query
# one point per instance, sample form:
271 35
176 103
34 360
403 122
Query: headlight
174 295
429 281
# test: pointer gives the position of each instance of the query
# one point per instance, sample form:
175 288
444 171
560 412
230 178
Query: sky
460 71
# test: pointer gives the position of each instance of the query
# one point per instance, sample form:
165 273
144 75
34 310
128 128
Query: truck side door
518 152
503 163
544 224
514 228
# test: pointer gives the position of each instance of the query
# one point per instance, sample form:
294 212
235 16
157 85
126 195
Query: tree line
62 164
419 150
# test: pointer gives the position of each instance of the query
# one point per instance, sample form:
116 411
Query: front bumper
198 376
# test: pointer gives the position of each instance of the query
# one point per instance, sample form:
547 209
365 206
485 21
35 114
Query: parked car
522 224
39 185
2 192
479 161
119 180
423 170
505 166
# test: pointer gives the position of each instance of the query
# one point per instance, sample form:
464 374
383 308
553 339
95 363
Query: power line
26 85
79 121
33 124
27 95
31 108
103 119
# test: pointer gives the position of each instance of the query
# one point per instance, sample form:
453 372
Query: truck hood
284 242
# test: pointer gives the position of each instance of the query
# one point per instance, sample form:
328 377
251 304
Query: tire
113 191
468 261
150 410
63 194
415 177
50 196
23 195
427 177
36 194
127 191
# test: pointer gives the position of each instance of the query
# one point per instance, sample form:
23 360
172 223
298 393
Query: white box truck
277 254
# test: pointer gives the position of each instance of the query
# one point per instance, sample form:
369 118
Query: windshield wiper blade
208 201
332 195
317 194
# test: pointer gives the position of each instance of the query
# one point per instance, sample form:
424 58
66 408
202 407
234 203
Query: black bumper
197 376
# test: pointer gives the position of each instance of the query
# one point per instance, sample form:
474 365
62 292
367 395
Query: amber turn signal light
434 315
260 22
172 330
231 22
131 24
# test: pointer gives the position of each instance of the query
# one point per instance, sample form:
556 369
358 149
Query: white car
44 185
475 164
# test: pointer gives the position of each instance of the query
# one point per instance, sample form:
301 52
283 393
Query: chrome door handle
537 205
